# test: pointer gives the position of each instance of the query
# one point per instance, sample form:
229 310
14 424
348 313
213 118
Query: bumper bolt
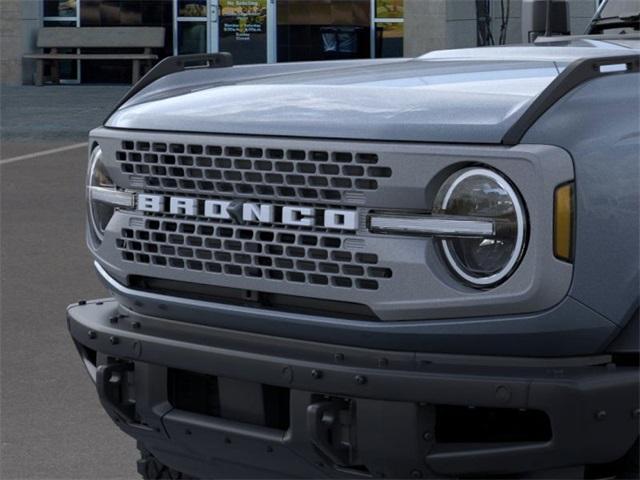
382 363
269 449
91 334
361 379
601 415
135 325
287 374
427 436
338 357
317 374
187 432
114 340
503 394
416 474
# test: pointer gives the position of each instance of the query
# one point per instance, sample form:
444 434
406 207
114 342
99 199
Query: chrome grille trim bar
112 196
428 225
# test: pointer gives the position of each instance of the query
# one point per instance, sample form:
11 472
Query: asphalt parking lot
51 423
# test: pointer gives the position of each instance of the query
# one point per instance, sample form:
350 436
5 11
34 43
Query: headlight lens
102 194
482 193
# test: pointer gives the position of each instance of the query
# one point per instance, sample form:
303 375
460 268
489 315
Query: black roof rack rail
574 74
176 64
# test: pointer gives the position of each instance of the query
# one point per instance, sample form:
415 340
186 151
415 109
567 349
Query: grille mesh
251 171
286 256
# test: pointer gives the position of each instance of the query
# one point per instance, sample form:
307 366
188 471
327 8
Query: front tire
630 468
150 468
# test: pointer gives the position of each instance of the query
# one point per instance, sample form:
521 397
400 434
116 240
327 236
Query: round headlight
475 193
100 212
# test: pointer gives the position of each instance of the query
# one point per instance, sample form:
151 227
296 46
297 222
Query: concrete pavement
51 423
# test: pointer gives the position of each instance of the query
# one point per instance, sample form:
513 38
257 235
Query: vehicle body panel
457 96
409 101
558 337
541 282
598 124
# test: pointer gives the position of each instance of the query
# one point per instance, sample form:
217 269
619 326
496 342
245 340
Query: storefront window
191 27
389 28
192 8
60 8
122 13
389 8
323 29
253 31
243 30
192 37
389 40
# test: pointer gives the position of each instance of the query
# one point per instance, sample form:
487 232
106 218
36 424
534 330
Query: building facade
258 31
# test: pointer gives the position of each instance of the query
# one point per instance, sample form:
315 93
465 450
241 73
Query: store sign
243 18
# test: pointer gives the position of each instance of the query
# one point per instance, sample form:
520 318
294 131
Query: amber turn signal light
563 222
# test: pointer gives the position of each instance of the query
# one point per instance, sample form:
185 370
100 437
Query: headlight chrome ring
489 195
102 195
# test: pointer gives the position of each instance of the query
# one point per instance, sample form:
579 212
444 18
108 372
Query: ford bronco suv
383 268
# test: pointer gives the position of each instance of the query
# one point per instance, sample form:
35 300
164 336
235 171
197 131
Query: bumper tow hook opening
111 379
330 424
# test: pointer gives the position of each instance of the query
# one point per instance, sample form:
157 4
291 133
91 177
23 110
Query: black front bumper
350 411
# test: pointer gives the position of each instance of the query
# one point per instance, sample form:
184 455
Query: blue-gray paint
599 124
568 329
438 101
459 96
465 96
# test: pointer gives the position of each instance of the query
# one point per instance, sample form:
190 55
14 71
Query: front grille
281 173
302 257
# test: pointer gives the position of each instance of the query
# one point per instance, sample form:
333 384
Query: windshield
619 8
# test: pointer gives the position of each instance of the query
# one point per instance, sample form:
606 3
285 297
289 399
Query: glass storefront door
323 30
302 30
191 30
240 27
339 29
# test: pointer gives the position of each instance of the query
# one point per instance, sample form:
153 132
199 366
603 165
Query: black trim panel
590 406
172 65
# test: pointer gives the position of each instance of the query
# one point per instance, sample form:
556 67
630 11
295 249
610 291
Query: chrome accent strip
437 226
112 196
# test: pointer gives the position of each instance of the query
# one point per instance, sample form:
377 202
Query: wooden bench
55 38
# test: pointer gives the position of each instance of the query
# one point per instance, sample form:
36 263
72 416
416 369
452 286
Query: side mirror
544 18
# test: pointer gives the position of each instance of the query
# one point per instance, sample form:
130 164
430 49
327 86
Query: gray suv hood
470 96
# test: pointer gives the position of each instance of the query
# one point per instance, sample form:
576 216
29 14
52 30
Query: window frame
375 20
